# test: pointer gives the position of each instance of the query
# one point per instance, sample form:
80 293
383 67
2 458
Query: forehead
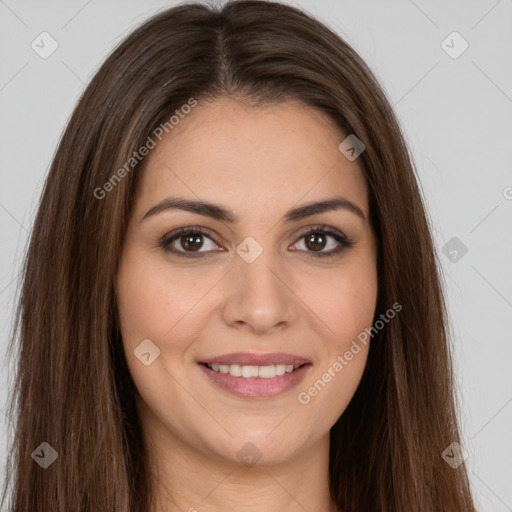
252 158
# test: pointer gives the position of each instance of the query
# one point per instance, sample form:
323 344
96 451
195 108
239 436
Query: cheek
347 308
346 304
152 305
151 301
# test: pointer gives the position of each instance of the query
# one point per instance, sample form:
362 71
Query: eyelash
344 242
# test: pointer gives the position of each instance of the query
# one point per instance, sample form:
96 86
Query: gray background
457 117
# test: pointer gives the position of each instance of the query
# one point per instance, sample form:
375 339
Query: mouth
251 371
252 376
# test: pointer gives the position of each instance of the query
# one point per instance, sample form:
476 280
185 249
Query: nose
259 296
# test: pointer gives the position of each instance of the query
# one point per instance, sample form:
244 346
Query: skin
259 163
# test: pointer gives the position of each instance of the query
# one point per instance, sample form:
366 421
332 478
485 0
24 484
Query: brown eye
316 241
188 242
191 242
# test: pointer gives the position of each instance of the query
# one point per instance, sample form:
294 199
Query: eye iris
189 241
315 239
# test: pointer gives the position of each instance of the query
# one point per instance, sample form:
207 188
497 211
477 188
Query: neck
188 478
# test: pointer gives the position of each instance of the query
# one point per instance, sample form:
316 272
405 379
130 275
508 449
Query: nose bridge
257 267
257 294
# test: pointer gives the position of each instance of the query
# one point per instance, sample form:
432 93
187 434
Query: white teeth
280 369
246 371
249 371
235 370
267 372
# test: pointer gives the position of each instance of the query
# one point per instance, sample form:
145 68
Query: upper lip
248 359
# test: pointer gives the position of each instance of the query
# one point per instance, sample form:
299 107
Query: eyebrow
218 212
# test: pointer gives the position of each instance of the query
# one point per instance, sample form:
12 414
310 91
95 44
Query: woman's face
251 292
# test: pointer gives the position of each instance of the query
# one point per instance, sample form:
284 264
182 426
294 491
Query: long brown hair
73 389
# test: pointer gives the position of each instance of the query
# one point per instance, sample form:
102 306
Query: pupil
188 241
315 239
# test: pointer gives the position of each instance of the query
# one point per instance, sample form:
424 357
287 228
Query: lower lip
256 387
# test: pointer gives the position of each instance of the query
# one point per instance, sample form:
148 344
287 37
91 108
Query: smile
251 381
245 371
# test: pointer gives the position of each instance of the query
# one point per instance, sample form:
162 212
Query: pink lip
256 387
248 359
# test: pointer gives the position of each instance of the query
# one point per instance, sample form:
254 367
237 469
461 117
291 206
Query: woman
231 298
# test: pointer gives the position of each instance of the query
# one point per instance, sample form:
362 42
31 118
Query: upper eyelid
206 232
